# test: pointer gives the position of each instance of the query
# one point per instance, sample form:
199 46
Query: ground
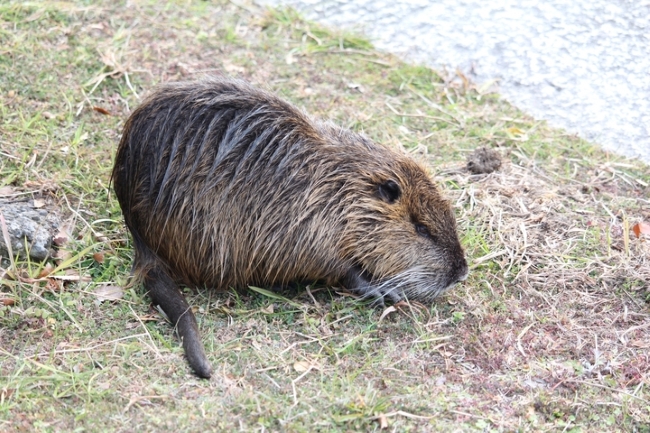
548 333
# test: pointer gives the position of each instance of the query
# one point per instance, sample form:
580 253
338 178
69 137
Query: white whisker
414 283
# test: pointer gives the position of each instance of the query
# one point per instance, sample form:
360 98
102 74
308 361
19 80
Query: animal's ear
389 191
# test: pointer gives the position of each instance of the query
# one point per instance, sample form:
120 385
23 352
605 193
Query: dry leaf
387 311
99 257
641 229
383 421
6 191
42 186
47 270
6 274
102 110
35 16
301 366
39 202
62 255
7 301
100 237
53 285
230 68
517 134
60 239
109 293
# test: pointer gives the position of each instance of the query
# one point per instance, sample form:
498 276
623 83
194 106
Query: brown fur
225 185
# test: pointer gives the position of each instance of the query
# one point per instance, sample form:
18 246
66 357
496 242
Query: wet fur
225 185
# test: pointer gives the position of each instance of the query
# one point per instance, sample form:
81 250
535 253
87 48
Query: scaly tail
165 292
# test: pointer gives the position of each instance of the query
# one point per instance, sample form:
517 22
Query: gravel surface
582 65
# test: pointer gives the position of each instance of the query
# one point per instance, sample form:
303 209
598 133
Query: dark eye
389 191
424 231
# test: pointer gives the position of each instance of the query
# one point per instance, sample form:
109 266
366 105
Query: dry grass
549 333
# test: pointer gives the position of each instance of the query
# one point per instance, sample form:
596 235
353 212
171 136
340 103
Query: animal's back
218 179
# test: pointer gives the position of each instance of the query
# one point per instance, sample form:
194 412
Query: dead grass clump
572 279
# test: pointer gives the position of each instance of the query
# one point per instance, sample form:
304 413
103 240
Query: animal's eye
424 231
389 191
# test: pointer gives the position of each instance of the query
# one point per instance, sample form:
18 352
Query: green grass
549 333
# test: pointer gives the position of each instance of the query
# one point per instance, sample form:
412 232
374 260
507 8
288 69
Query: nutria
225 185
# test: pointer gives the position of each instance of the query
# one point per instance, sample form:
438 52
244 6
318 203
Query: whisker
416 282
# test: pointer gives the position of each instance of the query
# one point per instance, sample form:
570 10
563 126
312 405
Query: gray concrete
583 65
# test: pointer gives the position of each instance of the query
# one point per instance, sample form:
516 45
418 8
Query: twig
137 398
521 334
5 235
487 257
425 116
153 345
597 385
468 414
406 415
85 349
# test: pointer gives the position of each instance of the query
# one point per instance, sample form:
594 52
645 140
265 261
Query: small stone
27 225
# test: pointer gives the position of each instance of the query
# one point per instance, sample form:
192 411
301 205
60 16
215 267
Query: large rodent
225 185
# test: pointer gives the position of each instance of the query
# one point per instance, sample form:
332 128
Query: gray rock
27 226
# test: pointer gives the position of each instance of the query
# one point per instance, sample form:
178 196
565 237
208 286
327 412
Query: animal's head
404 233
